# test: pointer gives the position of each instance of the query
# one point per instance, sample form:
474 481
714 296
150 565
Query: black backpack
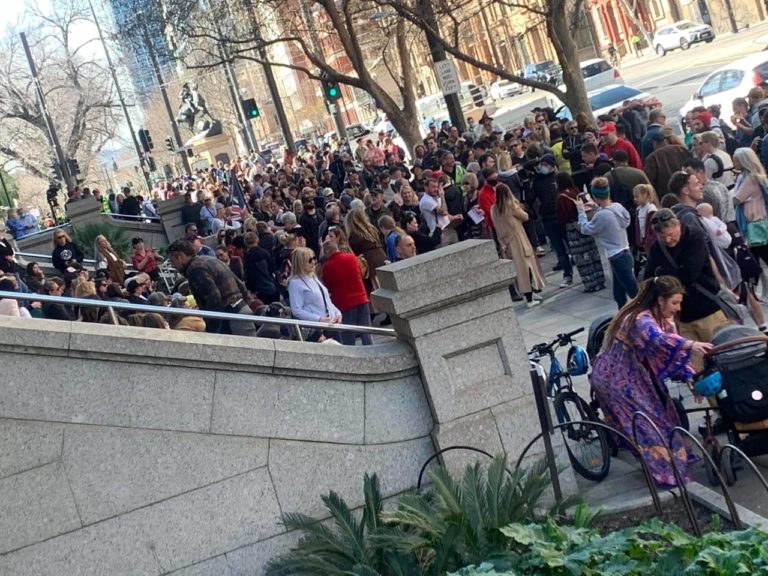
720 166
731 143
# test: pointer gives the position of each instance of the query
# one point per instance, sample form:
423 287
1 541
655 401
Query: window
731 79
595 68
711 85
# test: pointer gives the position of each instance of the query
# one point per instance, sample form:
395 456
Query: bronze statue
192 104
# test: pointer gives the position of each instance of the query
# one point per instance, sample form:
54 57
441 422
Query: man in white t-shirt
717 163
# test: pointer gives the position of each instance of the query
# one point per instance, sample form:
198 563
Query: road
672 78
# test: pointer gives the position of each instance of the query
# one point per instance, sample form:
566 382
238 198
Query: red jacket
342 277
485 200
621 144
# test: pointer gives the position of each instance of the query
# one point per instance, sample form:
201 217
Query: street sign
447 77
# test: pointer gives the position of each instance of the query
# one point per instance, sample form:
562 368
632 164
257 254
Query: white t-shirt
711 166
642 216
428 206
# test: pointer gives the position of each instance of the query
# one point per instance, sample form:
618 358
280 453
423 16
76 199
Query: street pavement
564 310
672 78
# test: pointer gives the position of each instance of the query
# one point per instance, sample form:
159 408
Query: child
647 203
718 231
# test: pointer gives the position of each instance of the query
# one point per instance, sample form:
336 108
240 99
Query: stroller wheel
728 464
714 452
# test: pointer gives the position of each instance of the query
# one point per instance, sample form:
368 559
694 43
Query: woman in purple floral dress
640 351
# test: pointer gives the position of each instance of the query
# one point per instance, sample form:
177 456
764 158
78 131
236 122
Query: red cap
705 117
607 127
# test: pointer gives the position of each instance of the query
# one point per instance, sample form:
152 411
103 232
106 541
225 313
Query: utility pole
269 76
136 147
335 107
53 138
5 189
438 55
161 83
246 133
494 49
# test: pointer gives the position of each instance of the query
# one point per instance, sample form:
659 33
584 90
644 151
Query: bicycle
588 446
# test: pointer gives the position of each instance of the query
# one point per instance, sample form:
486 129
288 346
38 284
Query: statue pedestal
210 150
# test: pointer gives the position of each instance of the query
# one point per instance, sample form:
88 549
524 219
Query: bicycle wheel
588 447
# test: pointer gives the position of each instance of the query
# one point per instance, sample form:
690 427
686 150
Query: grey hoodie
609 228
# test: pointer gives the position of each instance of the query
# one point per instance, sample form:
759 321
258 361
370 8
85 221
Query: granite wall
136 451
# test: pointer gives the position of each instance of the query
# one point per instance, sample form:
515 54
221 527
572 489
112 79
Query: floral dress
628 376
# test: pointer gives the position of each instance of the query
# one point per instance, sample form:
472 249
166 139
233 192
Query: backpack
731 143
720 166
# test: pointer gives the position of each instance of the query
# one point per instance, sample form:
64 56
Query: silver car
681 35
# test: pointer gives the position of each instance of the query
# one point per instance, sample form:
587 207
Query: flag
237 190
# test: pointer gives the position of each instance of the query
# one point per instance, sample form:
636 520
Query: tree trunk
407 126
567 54
631 12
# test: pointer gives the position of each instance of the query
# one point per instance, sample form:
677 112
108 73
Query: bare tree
78 91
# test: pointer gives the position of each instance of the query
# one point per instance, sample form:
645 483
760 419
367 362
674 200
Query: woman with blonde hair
107 258
508 216
65 253
470 186
365 241
86 289
309 299
749 196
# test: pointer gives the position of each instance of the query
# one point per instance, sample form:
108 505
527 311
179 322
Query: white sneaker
536 297
532 303
540 251
567 281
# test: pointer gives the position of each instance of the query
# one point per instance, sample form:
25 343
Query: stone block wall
136 451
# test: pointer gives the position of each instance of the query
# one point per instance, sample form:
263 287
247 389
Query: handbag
757 233
724 298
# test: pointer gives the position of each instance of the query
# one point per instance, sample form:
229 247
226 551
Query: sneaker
567 281
540 251
718 427
532 303
536 297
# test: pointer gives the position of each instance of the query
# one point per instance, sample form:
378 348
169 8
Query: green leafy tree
85 238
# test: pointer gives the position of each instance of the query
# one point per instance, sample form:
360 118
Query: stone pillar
454 307
170 215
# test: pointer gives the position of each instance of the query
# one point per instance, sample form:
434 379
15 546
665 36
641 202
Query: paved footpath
564 310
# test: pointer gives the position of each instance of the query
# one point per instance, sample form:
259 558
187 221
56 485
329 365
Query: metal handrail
199 313
43 231
36 257
131 217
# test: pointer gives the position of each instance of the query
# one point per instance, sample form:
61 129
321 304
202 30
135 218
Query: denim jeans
358 316
557 242
624 281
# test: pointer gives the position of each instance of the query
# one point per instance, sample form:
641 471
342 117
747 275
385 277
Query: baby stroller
740 357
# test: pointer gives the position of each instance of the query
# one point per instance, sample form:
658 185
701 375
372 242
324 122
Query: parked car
731 81
605 99
505 89
546 71
597 73
681 35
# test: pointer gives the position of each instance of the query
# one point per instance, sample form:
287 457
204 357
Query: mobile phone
584 197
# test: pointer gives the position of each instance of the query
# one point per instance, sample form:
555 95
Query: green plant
85 238
450 525
652 548
458 522
347 548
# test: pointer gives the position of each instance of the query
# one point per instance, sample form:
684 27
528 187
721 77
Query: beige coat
516 247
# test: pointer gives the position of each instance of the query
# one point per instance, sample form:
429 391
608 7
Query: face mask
544 170
492 182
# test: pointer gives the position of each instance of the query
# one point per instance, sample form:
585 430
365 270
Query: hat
436 174
607 127
473 167
600 192
705 117
549 159
328 192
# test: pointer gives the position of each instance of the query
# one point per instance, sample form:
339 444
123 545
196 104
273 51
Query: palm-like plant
451 525
457 523
85 237
347 549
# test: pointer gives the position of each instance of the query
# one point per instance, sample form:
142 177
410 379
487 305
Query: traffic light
146 140
73 166
331 90
169 145
151 166
55 171
251 109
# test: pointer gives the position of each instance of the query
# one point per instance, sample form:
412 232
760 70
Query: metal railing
36 257
130 217
165 310
43 231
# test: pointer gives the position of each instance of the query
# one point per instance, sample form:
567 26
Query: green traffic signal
333 92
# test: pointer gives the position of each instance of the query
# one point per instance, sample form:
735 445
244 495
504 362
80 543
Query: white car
605 99
681 35
505 89
597 73
725 84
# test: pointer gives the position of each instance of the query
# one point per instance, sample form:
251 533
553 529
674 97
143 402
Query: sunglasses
666 217
312 260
